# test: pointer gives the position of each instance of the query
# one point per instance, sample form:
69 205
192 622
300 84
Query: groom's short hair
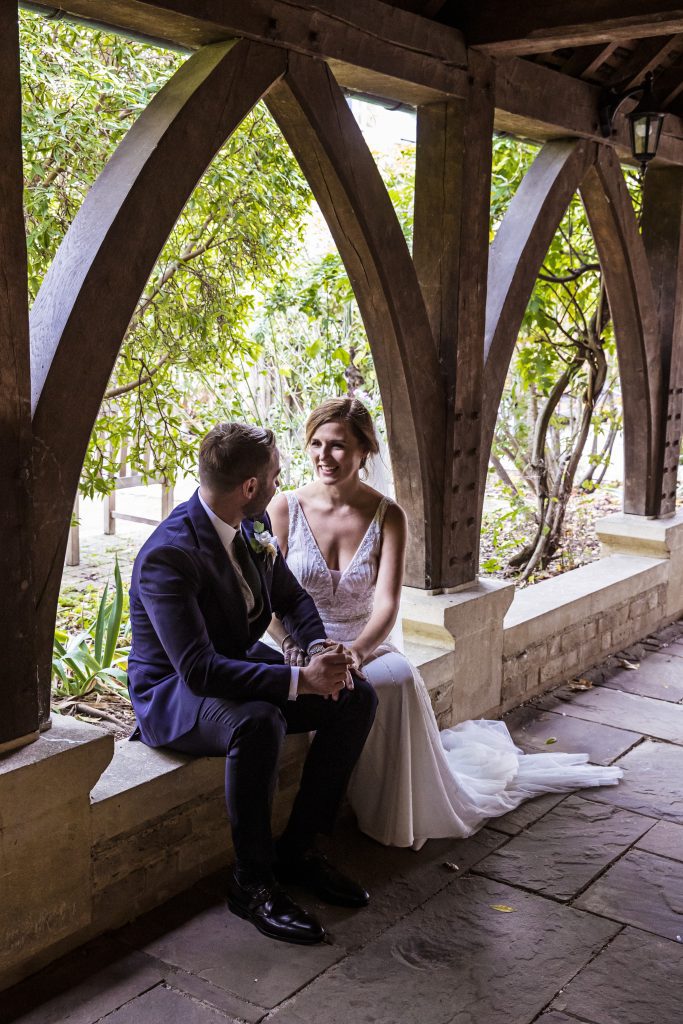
232 452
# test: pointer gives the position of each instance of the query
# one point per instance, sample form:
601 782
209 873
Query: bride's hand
357 662
293 654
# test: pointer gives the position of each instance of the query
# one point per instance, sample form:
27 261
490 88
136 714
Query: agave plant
92 660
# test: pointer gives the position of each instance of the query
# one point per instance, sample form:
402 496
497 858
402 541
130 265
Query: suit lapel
228 589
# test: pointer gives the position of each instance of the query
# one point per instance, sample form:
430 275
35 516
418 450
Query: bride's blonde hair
345 410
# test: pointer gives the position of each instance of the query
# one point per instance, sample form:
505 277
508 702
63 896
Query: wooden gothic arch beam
89 294
316 121
629 289
18 700
517 254
662 225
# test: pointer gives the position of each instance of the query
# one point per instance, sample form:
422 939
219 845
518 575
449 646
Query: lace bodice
343 599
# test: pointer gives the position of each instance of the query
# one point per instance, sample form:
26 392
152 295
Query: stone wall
555 630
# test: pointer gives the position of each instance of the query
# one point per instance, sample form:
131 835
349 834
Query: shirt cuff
293 683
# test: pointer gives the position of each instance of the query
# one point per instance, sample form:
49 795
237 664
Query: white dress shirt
226 534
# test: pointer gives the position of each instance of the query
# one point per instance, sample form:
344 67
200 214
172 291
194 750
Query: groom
203 590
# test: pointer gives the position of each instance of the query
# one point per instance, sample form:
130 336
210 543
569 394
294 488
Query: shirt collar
225 531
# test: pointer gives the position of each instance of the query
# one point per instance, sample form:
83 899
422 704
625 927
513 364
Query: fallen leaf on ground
551 739
580 684
633 666
503 908
451 866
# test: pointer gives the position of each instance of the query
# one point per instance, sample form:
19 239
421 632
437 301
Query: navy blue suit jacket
191 634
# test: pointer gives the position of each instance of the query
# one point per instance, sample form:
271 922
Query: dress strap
382 510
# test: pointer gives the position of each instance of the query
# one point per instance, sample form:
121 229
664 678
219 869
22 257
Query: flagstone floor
568 910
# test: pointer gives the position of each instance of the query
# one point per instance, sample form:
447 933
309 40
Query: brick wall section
581 645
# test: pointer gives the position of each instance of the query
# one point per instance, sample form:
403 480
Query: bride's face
335 453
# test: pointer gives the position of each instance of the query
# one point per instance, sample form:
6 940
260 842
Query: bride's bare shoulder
278 510
375 497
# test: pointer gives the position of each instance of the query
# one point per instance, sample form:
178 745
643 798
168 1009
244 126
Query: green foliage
189 334
503 530
94 660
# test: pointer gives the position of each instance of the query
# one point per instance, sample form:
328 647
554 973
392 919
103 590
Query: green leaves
95 659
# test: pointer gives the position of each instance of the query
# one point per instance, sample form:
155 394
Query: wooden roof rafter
503 29
372 45
387 50
648 55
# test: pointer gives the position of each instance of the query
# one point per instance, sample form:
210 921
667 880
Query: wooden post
451 236
109 508
166 499
631 299
19 718
662 225
517 254
73 547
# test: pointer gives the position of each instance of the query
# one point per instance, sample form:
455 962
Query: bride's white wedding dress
413 783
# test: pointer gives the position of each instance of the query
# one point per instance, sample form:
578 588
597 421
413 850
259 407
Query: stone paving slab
561 1018
163 1005
569 846
637 979
641 889
676 648
457 960
658 675
202 937
526 814
652 782
82 987
398 880
665 839
531 729
644 715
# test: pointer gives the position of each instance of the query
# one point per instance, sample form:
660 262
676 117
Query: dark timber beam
378 49
540 104
375 47
18 697
586 60
648 55
628 283
451 235
662 225
316 121
517 255
89 294
535 26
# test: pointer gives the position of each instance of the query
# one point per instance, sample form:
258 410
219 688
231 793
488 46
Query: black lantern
644 121
645 126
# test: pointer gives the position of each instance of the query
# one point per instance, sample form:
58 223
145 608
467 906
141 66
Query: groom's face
268 483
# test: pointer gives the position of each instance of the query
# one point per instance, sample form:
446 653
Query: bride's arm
278 510
388 587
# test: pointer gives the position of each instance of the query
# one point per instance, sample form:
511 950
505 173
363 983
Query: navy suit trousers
250 735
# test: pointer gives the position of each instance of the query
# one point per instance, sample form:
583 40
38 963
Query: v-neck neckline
342 572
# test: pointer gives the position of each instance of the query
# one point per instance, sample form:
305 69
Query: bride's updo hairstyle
352 412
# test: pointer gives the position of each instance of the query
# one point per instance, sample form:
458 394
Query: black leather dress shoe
271 910
314 873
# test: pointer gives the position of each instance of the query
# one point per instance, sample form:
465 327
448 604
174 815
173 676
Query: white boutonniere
263 542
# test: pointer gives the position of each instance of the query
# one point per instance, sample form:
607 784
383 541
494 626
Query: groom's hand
326 673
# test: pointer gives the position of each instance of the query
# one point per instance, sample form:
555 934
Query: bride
346 542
